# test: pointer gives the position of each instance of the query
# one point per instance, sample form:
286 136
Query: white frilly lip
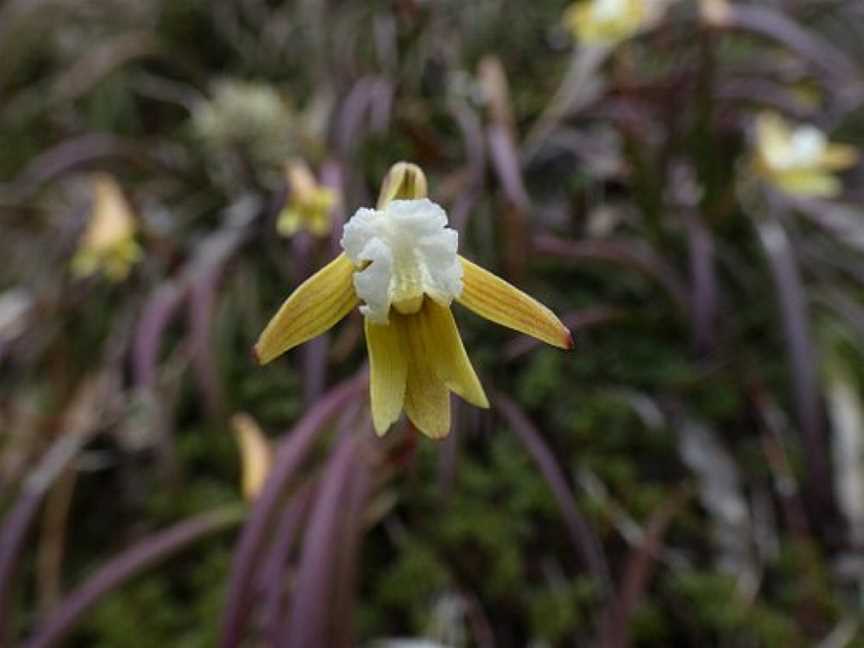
402 252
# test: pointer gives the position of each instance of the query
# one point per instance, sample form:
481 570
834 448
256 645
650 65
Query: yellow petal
319 223
111 219
85 263
317 304
839 156
388 371
427 399
256 454
449 359
772 138
289 222
493 298
810 183
300 179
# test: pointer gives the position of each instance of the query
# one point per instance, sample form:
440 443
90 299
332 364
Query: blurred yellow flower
108 243
800 160
309 206
256 454
607 22
401 262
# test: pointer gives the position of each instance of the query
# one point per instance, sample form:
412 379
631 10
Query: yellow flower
800 161
309 206
256 454
108 243
607 22
401 266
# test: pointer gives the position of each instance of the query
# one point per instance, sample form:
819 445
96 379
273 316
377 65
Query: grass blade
289 455
145 554
583 537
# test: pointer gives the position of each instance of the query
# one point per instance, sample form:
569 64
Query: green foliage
181 610
557 611
710 601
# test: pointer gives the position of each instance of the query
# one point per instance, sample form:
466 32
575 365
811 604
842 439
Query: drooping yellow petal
320 222
107 244
772 132
493 298
112 219
839 156
388 372
809 182
427 399
317 304
256 454
448 356
289 222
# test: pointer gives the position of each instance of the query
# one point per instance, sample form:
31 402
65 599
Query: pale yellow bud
256 454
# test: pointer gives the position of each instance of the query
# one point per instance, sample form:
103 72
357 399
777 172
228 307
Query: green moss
413 578
556 612
179 607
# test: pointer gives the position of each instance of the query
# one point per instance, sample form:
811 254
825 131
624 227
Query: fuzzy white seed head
402 252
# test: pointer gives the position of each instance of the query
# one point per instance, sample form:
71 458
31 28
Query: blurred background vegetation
691 474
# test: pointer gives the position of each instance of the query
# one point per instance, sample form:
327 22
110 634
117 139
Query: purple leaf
315 354
703 283
773 24
80 421
505 162
359 490
273 571
802 356
290 453
472 134
156 316
201 306
636 577
583 538
143 555
627 253
71 155
308 623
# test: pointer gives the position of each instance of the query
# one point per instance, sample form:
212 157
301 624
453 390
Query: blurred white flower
799 160
248 115
607 22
